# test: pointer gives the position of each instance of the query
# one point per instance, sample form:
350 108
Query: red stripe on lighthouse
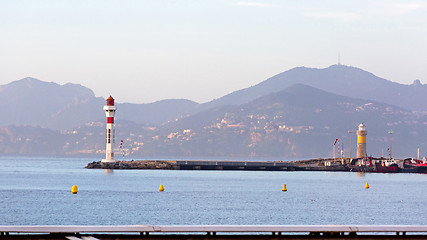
110 119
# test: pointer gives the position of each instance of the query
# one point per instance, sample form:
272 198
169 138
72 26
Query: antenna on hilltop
339 58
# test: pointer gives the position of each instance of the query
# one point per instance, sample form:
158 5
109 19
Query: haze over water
37 191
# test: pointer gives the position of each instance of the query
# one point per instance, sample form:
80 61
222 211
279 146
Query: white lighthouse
110 110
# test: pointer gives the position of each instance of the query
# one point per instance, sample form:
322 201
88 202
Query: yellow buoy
366 185
161 188
74 189
284 188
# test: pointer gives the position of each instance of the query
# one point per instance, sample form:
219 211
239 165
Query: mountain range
298 113
338 79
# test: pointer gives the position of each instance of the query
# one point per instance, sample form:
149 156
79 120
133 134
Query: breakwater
380 165
302 165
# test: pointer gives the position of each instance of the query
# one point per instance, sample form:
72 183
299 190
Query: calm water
37 191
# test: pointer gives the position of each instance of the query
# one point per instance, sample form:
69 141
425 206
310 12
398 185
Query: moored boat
421 168
409 165
387 167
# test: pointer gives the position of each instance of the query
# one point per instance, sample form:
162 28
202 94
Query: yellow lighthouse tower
361 141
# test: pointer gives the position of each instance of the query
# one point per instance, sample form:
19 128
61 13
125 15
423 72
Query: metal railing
403 229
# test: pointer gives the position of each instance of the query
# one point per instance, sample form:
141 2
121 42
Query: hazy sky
143 51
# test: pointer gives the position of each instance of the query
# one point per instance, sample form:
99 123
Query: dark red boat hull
421 168
393 168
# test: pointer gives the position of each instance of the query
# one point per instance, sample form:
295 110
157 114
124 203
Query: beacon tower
361 141
110 110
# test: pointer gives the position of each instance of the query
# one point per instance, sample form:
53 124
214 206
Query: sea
37 191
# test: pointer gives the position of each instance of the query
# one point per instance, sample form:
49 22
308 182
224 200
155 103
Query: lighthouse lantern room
110 110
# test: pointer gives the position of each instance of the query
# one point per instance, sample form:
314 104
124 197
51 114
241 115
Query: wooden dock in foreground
216 232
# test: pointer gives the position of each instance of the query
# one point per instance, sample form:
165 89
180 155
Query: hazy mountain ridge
33 102
30 101
338 79
302 98
278 118
284 124
157 113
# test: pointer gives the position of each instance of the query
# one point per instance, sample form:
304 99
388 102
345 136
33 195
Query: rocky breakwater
323 164
320 164
140 164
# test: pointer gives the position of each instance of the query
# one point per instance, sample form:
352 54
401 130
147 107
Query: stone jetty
138 164
319 164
